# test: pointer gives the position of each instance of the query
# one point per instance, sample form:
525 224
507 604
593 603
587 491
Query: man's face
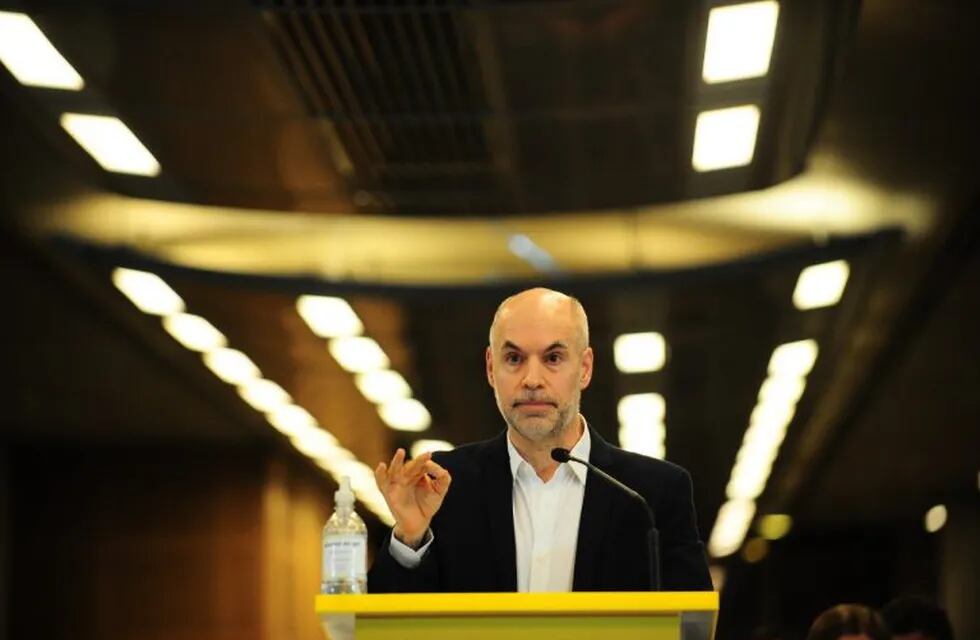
538 365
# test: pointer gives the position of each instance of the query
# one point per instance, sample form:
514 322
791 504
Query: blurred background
251 247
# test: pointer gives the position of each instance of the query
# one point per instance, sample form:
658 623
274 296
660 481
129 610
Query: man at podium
505 515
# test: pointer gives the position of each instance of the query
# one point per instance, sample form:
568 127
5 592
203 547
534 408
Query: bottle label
344 557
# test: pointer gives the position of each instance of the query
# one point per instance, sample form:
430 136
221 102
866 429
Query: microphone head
560 455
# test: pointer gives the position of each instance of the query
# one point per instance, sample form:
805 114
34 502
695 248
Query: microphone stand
653 535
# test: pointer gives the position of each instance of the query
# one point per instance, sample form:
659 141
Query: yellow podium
547 616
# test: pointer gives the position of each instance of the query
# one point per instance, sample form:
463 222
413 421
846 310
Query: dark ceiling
487 108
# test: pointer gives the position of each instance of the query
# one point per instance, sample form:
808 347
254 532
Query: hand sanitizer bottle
344 567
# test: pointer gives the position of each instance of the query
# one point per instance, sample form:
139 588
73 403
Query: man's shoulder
472 454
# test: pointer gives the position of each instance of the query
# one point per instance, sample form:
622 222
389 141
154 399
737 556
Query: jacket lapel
594 522
498 490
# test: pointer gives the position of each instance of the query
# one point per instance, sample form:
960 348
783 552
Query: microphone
559 454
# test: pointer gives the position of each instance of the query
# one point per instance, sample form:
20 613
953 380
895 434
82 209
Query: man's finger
397 461
381 476
415 467
440 477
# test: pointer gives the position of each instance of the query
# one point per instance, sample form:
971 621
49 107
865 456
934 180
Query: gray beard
562 421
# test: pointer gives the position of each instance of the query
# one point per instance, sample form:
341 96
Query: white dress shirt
546 519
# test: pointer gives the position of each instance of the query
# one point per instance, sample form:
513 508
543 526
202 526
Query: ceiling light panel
264 395
382 386
194 332
31 58
152 295
739 41
640 352
290 419
730 528
423 446
111 143
641 408
231 365
405 415
147 291
358 354
329 317
644 438
821 285
793 359
725 138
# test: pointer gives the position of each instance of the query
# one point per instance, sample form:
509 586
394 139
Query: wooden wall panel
175 543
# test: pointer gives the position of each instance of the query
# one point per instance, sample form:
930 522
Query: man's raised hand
414 491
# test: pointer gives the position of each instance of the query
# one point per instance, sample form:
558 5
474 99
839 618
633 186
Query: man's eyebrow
558 344
554 346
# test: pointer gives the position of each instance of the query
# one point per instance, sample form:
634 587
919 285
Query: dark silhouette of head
850 622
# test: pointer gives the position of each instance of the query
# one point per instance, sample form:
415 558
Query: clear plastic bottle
344 565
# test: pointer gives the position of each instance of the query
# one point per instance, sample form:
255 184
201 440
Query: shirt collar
581 450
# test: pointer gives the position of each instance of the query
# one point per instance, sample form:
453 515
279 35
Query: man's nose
532 376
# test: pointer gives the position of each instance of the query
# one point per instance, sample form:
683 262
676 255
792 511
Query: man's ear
489 357
587 360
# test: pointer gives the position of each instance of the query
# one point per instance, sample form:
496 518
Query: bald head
541 306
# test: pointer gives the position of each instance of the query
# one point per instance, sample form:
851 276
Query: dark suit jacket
474 548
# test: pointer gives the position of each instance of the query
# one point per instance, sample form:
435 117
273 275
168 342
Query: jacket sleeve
683 564
388 576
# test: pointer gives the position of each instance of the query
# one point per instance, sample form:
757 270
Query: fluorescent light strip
640 352
734 518
407 414
147 291
235 368
821 285
194 332
739 41
358 354
31 58
641 423
725 138
770 418
423 446
329 317
111 143
334 319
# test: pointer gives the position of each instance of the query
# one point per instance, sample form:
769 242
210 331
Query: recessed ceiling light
30 56
111 143
725 138
383 385
639 352
290 419
231 365
264 395
147 291
731 525
821 285
329 317
641 408
781 390
645 438
793 359
358 354
407 414
739 41
422 446
194 332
